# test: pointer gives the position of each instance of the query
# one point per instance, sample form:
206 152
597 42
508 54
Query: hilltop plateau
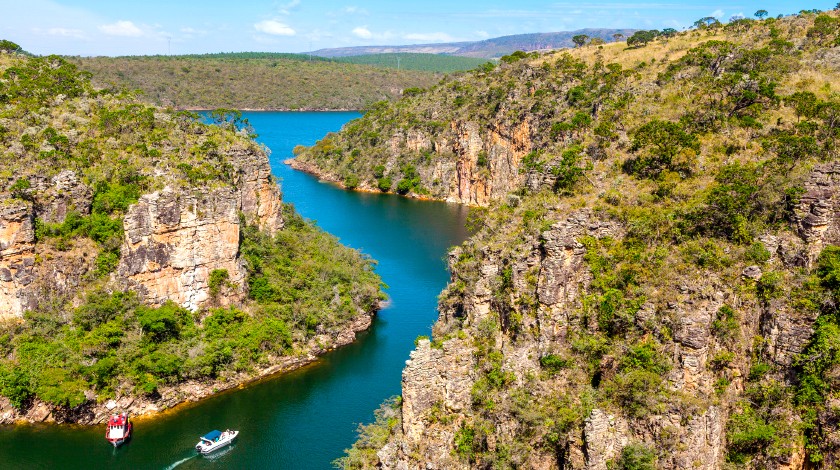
252 81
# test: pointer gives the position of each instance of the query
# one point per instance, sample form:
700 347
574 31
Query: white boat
215 440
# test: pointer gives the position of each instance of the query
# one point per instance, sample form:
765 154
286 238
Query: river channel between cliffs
303 419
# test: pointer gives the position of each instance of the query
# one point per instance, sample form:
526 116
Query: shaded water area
304 419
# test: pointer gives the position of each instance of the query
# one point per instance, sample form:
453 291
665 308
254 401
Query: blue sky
117 27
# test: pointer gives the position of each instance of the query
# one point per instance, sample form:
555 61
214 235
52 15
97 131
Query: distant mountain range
486 49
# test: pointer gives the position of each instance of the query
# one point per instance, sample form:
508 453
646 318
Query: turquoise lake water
304 419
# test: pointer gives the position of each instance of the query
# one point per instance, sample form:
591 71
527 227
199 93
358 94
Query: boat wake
180 462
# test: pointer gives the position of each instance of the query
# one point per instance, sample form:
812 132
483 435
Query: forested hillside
146 258
426 62
652 278
252 81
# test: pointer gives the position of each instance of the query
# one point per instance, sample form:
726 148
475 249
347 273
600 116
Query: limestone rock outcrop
175 239
60 195
817 219
472 164
17 255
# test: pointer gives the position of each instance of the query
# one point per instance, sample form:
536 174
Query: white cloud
482 34
66 32
287 8
317 35
362 32
274 28
717 13
190 33
122 28
429 37
346 11
354 10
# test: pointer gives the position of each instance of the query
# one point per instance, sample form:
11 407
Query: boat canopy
212 435
116 420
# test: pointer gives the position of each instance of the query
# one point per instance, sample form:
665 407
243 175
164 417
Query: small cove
303 419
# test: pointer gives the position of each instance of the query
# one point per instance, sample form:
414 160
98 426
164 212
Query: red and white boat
119 429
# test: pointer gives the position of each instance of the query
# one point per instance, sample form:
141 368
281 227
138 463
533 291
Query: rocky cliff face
468 163
17 256
550 280
548 287
174 239
29 270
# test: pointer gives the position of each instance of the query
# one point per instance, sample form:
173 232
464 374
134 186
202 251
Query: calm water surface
302 420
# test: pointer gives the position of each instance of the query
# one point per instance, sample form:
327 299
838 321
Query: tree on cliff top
9 46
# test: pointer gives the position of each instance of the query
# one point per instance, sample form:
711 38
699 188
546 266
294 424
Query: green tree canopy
665 146
580 39
9 46
642 38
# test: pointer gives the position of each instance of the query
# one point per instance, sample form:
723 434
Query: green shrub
481 160
114 198
468 443
636 457
758 371
20 189
58 387
645 356
665 146
757 253
568 170
769 285
404 186
9 46
217 279
741 204
721 360
514 57
637 392
106 262
725 326
554 363
351 182
371 437
747 434
15 385
101 307
384 184
162 323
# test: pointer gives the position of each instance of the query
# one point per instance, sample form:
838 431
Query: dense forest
410 61
652 279
254 80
